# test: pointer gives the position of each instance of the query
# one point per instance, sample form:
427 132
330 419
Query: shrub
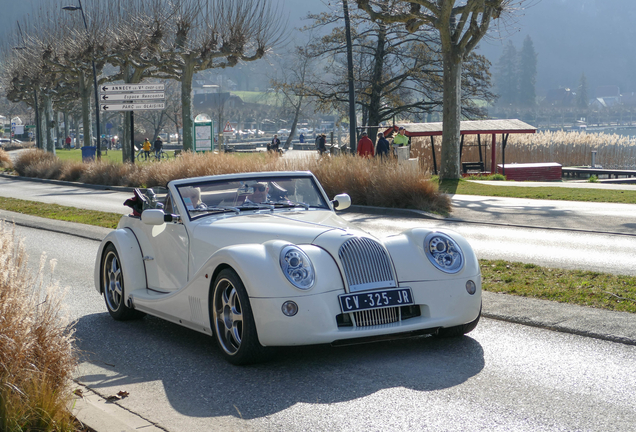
368 181
5 160
37 356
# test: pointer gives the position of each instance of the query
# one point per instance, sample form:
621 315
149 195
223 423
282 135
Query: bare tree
461 24
292 86
397 73
208 34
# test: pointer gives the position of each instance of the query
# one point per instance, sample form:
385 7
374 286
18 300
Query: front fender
412 264
130 257
258 267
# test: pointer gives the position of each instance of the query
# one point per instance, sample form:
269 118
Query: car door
165 250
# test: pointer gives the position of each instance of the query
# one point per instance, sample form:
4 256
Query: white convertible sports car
261 260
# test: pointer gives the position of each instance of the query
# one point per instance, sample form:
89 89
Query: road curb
96 412
585 321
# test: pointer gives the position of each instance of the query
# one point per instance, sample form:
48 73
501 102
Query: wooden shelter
469 127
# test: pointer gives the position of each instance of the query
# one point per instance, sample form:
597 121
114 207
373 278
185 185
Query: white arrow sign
133 106
111 88
131 96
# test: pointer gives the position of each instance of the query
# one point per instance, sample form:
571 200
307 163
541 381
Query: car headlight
443 252
297 267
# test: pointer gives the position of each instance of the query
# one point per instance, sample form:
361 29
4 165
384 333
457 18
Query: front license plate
375 299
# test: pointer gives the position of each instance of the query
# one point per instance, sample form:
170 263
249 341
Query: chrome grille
376 317
366 264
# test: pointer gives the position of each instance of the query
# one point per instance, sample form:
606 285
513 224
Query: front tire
233 321
113 286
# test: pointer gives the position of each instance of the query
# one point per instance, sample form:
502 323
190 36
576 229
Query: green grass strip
579 287
546 193
58 212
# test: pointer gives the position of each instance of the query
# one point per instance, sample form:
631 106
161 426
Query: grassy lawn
58 212
109 156
550 193
585 288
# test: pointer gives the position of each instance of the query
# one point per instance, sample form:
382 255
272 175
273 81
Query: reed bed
567 148
37 356
368 181
5 160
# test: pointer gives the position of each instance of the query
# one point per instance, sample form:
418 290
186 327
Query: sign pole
132 137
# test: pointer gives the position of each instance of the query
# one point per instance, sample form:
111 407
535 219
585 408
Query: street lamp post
97 126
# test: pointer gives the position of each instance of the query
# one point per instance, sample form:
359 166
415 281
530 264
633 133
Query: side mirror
153 217
341 202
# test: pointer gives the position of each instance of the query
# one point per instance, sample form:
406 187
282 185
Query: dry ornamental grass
368 181
37 355
5 160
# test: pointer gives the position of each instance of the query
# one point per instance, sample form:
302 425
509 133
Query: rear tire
459 330
233 321
113 287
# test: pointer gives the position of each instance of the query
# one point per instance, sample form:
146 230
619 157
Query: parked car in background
4 141
260 260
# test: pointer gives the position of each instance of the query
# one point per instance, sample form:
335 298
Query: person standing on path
321 143
365 146
158 144
400 140
382 146
146 147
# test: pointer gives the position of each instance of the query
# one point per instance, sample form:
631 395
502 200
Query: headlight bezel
444 252
301 275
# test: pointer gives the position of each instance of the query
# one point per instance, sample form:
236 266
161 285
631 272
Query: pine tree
506 77
581 94
527 74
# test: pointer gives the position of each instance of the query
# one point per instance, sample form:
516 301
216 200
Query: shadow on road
198 382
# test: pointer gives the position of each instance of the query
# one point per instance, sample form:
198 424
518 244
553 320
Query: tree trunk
450 166
186 103
352 97
85 94
49 122
43 123
294 123
375 99
58 132
66 127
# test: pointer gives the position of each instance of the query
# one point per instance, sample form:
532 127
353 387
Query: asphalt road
502 377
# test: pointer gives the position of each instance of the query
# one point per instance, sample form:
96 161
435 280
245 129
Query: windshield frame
234 191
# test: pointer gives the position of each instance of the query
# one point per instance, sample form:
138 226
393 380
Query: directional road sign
133 106
110 97
118 88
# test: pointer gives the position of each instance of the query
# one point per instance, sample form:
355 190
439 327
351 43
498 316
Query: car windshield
253 194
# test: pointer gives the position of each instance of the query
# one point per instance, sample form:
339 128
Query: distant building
561 97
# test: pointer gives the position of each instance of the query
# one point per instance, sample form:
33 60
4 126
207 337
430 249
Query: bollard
593 158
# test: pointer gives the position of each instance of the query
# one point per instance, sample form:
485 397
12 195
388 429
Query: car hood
297 227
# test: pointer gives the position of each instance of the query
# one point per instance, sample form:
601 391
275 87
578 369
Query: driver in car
260 193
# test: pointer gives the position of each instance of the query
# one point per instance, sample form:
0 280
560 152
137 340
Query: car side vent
366 264
196 312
